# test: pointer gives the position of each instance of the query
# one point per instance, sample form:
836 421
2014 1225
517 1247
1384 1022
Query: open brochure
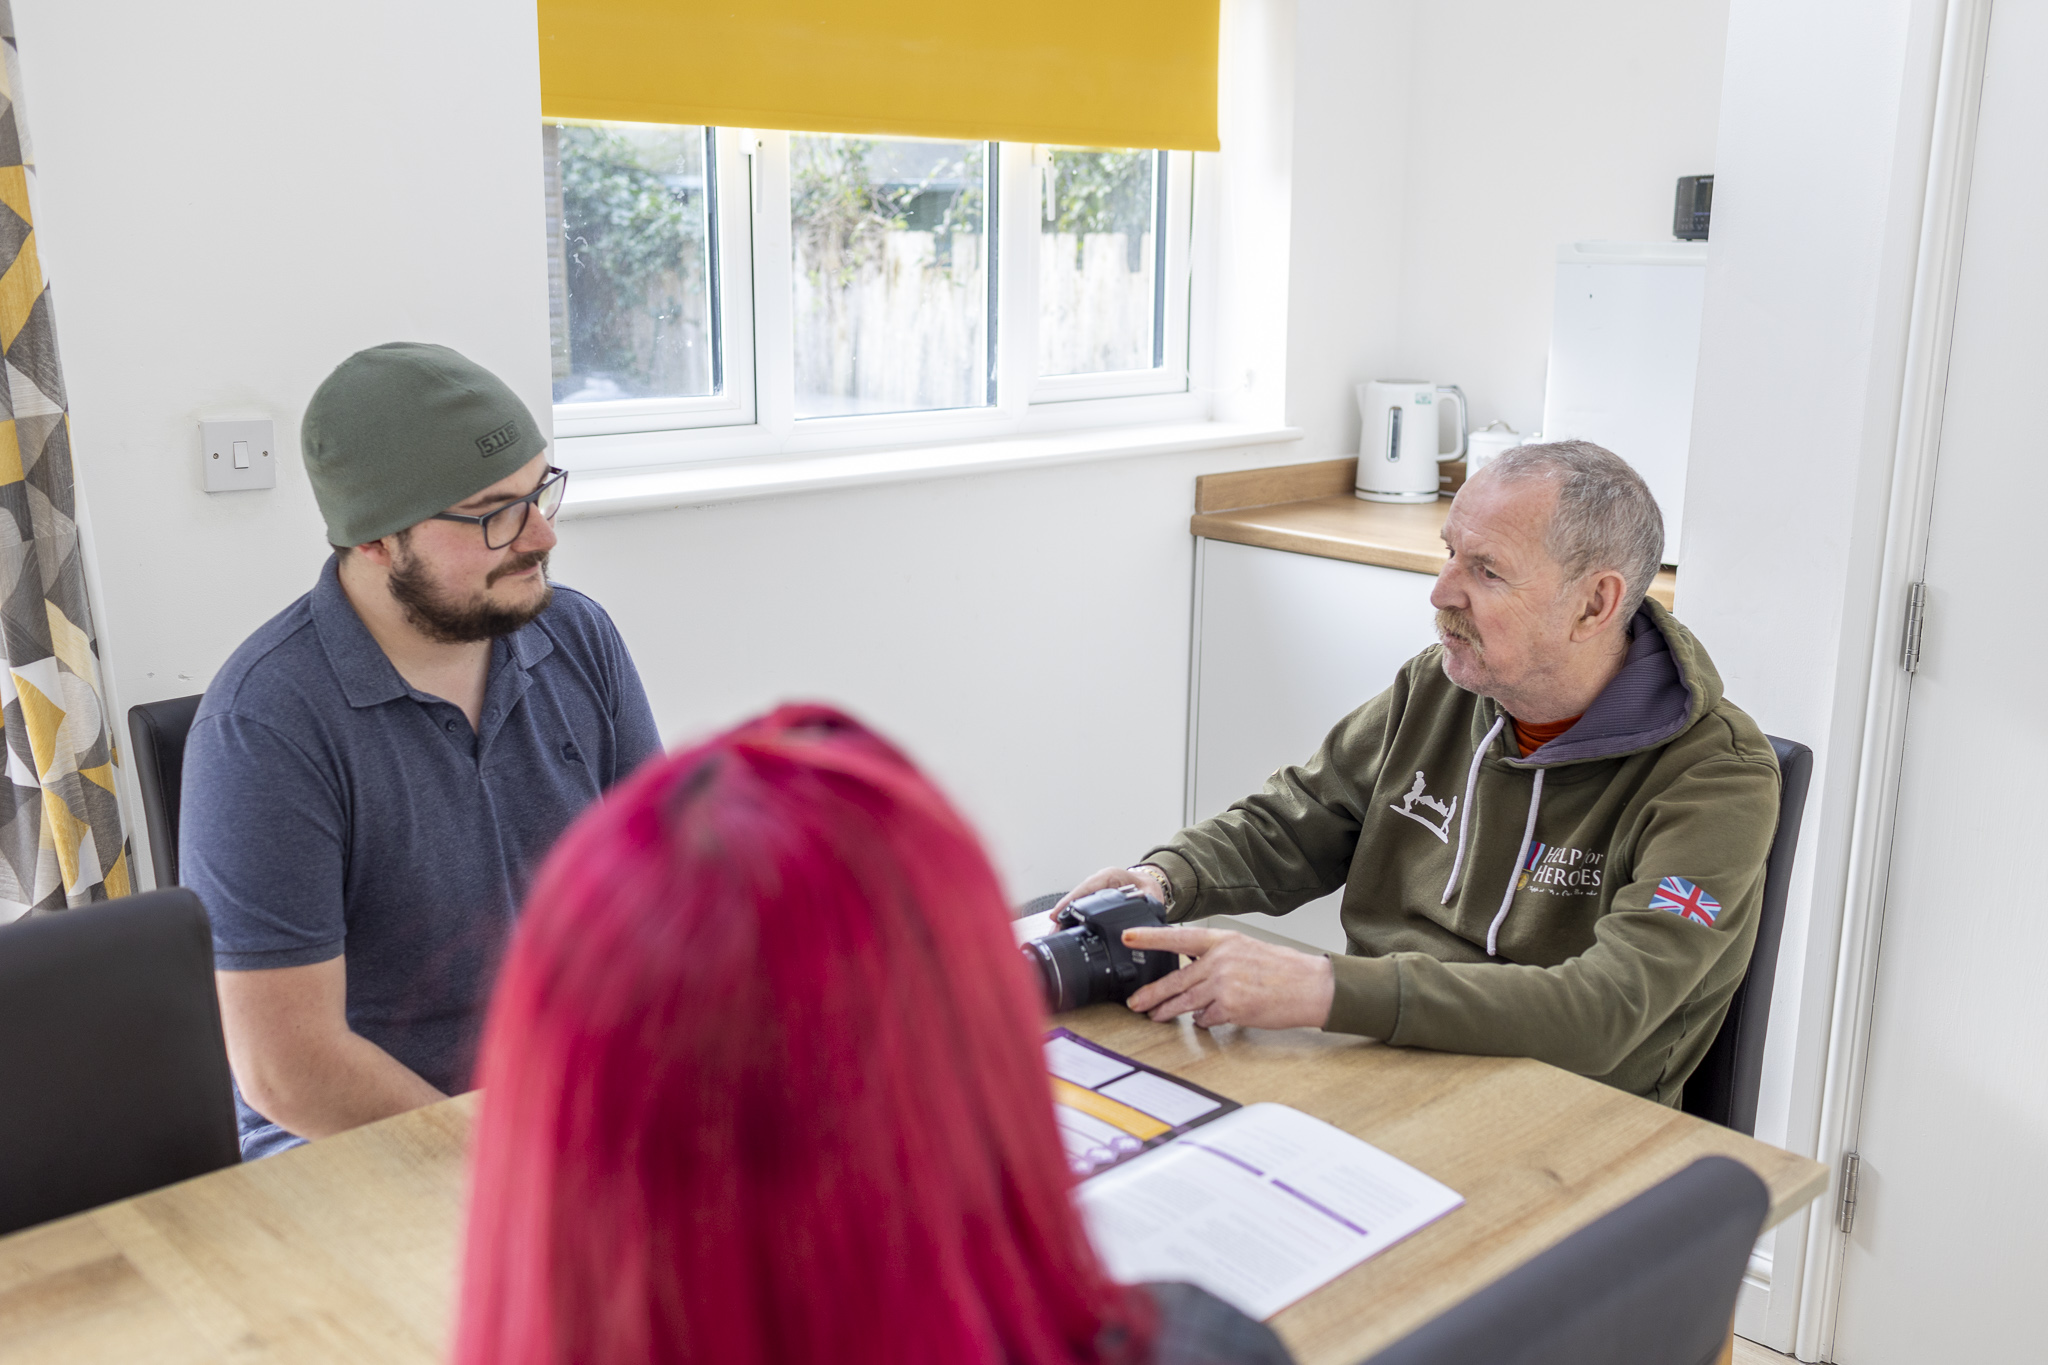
1261 1207
1111 1109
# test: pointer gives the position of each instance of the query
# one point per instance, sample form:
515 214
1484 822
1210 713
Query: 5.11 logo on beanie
491 442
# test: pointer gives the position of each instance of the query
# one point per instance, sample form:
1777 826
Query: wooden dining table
347 1249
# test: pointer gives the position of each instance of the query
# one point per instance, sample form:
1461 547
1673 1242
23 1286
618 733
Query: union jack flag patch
1686 901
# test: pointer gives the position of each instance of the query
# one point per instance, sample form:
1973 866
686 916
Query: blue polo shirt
329 808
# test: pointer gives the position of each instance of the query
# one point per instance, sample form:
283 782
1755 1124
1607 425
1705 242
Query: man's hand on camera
1234 979
1115 876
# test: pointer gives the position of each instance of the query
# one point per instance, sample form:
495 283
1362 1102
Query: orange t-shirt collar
1530 737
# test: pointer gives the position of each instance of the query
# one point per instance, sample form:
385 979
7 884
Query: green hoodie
1592 905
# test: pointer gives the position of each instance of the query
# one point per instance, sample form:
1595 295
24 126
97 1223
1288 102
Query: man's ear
1600 601
378 552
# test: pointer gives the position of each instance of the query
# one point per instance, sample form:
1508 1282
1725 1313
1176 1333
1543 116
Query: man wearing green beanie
375 774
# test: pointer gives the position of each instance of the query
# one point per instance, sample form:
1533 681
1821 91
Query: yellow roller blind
1095 73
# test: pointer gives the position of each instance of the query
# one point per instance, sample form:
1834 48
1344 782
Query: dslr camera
1085 961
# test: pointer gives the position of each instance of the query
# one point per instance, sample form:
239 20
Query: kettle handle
1463 412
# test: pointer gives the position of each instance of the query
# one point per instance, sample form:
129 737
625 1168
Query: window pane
631 262
1101 306
891 274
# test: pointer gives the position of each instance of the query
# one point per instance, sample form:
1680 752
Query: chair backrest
1723 1089
114 1075
158 729
1037 905
1652 1283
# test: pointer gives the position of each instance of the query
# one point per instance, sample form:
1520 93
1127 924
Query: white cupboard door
1288 645
1951 1231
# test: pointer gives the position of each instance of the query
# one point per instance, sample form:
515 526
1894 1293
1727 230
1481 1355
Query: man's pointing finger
1192 942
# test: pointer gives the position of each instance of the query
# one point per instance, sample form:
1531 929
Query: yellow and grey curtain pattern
61 842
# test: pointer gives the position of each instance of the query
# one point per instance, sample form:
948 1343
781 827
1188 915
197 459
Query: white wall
1025 634
234 196
1443 150
1817 210
1534 125
1344 290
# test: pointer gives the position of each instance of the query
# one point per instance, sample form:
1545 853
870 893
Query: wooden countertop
346 1249
1309 509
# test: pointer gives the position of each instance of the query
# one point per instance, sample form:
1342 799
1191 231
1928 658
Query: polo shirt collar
531 644
360 663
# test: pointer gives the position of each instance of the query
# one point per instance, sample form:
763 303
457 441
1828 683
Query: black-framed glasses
504 525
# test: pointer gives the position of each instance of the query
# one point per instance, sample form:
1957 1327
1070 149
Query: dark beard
451 623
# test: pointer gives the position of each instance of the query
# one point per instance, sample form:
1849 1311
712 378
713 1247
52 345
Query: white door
1950 1243
1288 646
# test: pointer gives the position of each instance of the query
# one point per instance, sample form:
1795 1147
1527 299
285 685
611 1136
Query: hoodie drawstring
1471 786
1515 872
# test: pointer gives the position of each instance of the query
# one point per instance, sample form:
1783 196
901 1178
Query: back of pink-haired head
762 1085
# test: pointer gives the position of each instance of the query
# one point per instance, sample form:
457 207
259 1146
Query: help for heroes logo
1553 870
1547 869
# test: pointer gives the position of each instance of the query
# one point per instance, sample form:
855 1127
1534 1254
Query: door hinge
1916 620
1851 1163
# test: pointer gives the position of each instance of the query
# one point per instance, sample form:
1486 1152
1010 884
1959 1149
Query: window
717 292
1100 296
890 282
632 271
650 307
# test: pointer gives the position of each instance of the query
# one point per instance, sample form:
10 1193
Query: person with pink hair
763 1084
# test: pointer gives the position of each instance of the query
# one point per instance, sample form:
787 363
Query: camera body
1086 963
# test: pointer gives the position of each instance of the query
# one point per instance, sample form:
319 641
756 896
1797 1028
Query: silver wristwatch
1153 871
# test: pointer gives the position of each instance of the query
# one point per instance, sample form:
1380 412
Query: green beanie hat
405 430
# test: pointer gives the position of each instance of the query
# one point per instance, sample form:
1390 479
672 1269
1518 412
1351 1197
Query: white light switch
237 455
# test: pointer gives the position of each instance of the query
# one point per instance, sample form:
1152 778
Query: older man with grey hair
1550 831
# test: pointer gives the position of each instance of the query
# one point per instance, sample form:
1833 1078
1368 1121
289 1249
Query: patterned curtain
61 842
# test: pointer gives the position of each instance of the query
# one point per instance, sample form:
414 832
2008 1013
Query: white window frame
1171 375
733 270
755 415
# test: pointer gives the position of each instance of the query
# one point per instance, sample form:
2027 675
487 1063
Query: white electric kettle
1398 454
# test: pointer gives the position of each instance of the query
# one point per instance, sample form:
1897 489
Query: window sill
626 492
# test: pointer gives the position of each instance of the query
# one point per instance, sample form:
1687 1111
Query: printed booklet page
1261 1206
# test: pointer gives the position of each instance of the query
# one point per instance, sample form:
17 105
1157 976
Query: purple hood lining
1646 704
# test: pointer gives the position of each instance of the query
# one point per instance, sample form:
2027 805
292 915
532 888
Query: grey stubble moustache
1452 622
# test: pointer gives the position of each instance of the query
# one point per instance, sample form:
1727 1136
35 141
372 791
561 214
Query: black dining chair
158 729
1652 1283
114 1076
1723 1088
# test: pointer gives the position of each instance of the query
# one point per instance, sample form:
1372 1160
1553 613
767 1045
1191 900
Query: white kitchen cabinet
1285 646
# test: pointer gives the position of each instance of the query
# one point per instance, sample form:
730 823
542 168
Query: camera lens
1073 967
